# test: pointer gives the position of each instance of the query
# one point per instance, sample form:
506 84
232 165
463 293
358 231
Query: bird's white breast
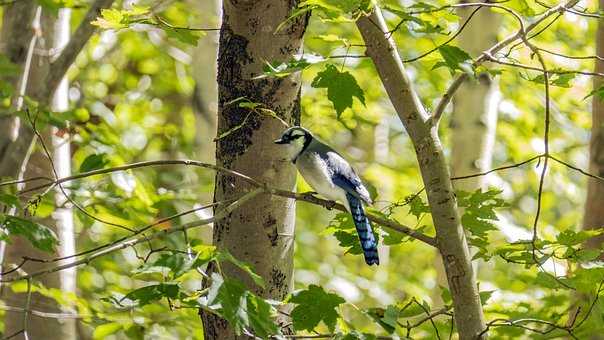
315 173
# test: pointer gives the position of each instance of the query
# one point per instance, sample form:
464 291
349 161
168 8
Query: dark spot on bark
278 283
269 221
444 201
253 25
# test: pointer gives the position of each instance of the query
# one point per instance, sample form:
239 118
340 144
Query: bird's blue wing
344 176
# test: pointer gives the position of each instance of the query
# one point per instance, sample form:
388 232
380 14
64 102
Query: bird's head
295 139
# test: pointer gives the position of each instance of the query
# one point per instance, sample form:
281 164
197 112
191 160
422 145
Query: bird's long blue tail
368 242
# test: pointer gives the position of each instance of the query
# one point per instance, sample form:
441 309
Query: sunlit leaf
151 293
314 305
341 87
39 235
94 162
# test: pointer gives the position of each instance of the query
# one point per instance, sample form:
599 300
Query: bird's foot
309 194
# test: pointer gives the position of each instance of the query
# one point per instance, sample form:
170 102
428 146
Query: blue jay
330 175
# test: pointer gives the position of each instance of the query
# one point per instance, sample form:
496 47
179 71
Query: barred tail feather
366 236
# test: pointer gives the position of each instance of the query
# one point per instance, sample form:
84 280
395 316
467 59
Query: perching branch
391 224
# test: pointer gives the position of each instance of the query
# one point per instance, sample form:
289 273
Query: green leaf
586 255
299 63
417 206
111 19
94 162
313 306
480 210
546 280
9 200
571 238
228 298
485 296
563 80
559 80
246 267
184 35
175 263
599 92
240 307
342 227
39 235
104 330
260 314
455 59
117 19
151 293
386 318
341 87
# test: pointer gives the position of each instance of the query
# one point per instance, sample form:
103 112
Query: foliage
131 98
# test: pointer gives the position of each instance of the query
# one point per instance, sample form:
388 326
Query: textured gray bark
423 132
54 32
594 204
15 37
474 114
260 232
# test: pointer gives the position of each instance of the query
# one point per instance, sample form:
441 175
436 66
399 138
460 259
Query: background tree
594 202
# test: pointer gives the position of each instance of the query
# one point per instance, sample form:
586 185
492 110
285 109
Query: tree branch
142 238
449 232
520 34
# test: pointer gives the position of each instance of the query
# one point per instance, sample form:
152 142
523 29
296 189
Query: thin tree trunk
205 97
63 214
15 38
204 69
594 204
54 34
423 132
260 232
474 116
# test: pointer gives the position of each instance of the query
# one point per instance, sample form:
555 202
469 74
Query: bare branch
143 238
520 34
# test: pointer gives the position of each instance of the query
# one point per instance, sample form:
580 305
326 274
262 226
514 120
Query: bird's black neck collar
307 140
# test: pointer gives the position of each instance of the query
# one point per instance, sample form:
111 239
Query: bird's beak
280 141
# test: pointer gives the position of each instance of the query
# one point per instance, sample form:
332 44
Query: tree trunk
259 232
423 132
54 32
474 116
63 214
15 38
594 204
204 70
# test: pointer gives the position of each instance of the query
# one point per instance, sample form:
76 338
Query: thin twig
136 240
